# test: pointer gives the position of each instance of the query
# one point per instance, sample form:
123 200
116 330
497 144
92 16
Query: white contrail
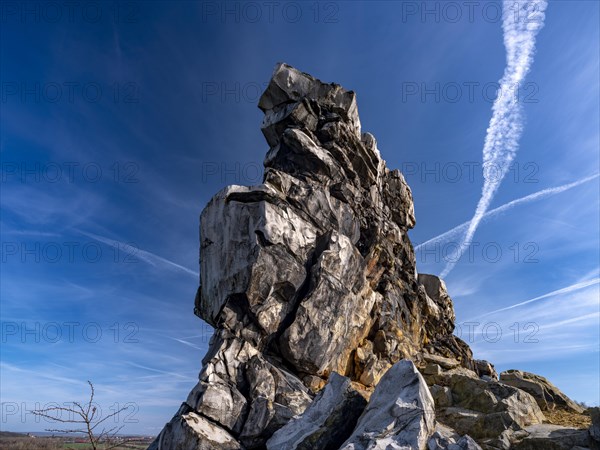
566 290
138 253
579 320
164 372
490 214
506 124
184 342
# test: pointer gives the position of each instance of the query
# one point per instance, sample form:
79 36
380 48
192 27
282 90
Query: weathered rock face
312 271
190 431
327 422
315 264
486 369
553 437
545 393
480 407
310 282
445 438
400 413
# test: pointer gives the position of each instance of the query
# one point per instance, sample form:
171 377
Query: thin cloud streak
42 374
189 344
506 124
576 320
494 212
140 254
566 290
163 372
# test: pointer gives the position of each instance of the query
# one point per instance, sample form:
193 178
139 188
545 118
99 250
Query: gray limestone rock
553 437
486 369
445 438
326 423
545 393
400 413
190 431
310 272
484 409
315 262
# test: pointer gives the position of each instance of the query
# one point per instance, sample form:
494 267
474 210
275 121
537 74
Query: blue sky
117 126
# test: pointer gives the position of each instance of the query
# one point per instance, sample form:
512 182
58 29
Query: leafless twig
86 416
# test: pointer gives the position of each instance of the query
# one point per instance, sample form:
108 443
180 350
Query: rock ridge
325 334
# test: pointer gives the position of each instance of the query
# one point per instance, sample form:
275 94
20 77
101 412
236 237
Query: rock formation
547 395
322 323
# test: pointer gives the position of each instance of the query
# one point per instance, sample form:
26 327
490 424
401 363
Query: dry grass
49 443
28 443
568 419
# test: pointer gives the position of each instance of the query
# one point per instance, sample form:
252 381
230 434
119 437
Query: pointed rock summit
321 320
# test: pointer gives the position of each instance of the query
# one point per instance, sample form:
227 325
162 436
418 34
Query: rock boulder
327 422
400 413
545 393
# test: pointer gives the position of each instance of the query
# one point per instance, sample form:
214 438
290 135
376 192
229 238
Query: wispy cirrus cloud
558 324
539 195
565 290
142 255
506 126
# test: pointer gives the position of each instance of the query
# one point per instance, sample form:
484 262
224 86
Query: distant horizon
46 433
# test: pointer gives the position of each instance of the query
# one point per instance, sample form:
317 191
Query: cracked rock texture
326 422
400 413
547 395
310 282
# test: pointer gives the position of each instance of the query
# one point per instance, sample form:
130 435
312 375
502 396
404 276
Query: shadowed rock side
327 422
310 282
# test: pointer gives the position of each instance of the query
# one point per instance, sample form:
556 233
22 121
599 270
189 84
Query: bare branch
87 413
45 413
110 415
109 436
82 413
91 396
93 414
51 430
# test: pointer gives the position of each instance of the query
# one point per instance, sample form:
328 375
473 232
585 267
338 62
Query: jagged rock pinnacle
311 274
